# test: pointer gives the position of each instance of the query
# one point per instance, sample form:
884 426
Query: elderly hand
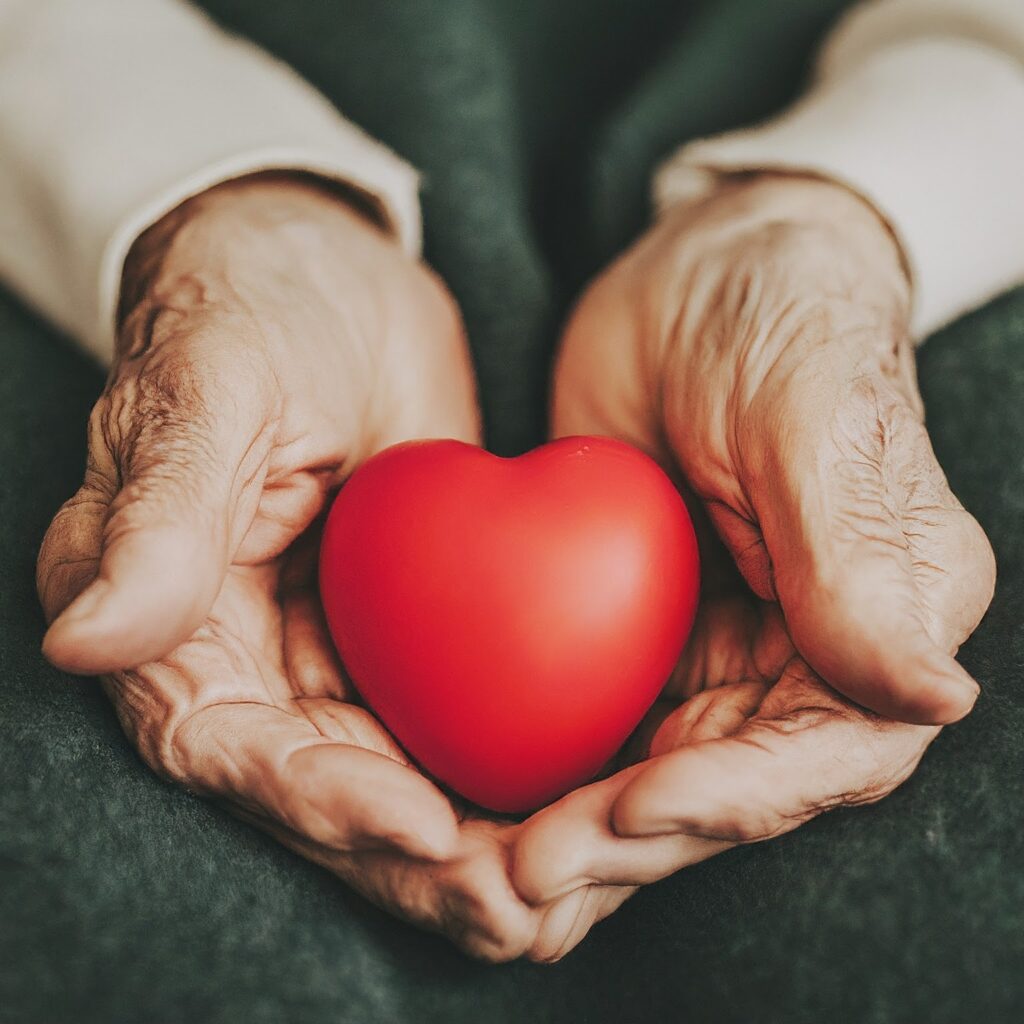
756 343
272 339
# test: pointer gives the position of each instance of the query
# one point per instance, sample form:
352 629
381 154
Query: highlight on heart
510 620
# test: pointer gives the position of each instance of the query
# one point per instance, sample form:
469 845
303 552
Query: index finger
781 768
573 843
805 751
331 775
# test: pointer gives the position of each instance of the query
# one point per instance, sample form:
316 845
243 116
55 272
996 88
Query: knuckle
170 407
66 518
173 400
102 442
180 419
170 386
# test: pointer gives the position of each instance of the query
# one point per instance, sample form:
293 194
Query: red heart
510 620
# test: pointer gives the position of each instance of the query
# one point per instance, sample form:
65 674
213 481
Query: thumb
147 559
881 574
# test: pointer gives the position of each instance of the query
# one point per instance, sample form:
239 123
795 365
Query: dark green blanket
536 123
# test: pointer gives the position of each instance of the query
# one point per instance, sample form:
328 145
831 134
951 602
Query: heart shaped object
510 620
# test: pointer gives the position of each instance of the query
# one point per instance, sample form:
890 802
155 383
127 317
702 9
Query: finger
468 897
567 920
571 844
191 452
340 795
311 660
310 657
479 908
773 774
710 714
352 725
879 570
734 639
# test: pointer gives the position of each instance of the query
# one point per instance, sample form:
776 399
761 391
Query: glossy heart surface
510 620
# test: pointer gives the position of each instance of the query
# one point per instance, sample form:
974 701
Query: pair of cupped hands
754 342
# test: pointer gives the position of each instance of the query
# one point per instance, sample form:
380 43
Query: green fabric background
123 899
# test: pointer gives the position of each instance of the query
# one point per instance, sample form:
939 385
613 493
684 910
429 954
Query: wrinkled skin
272 339
756 343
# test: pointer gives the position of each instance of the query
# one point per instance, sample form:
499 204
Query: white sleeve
112 112
918 105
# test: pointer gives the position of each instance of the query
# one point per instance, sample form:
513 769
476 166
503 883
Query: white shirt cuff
931 132
112 113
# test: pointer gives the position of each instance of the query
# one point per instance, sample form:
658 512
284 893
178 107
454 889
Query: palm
740 665
741 682
745 742
256 711
272 340
281 738
727 345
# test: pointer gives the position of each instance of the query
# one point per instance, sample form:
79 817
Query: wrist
270 197
841 311
204 234
855 228
808 258
788 278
